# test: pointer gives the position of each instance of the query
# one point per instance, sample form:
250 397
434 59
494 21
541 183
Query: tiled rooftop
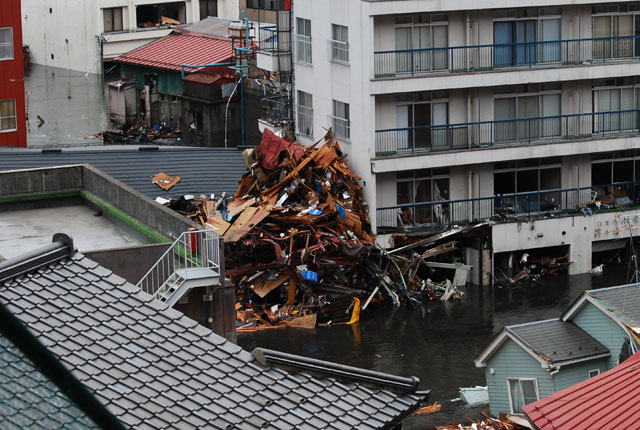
154 368
556 340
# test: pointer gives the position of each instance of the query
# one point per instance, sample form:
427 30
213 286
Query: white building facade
464 102
78 34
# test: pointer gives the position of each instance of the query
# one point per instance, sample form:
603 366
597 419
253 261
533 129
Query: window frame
112 10
304 46
535 384
347 118
8 44
15 117
594 370
339 48
304 110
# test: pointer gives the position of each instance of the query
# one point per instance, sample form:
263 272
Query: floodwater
72 105
436 342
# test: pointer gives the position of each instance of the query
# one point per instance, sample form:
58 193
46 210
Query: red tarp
270 148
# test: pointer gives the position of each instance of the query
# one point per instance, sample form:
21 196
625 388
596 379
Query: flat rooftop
25 230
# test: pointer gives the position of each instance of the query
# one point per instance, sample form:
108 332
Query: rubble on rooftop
299 245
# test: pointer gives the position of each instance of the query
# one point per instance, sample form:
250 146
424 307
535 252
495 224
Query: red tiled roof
180 48
609 401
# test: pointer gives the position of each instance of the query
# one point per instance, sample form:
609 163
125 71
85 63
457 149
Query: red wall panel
12 74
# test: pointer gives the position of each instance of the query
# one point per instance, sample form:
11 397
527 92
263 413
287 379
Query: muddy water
438 341
72 105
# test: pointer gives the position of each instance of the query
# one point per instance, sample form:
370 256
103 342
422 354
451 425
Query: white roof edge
497 342
575 307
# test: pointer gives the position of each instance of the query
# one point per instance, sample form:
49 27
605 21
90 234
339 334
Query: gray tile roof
202 170
154 368
556 340
30 400
623 301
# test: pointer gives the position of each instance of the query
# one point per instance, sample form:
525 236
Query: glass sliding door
549 50
503 40
403 43
422 118
525 42
551 115
504 115
440 135
402 122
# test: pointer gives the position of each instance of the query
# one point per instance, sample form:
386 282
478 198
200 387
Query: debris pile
139 134
298 242
503 422
533 269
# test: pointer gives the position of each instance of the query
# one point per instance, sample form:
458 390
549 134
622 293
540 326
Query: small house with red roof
528 362
609 401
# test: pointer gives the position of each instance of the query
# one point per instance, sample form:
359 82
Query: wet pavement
438 341
73 106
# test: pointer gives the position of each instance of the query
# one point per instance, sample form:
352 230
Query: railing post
412 67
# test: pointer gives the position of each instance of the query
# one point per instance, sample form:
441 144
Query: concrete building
78 35
13 124
456 112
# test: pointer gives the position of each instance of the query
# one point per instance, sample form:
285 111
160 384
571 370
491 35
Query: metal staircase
193 260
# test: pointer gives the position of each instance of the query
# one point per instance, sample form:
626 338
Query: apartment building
457 112
13 124
80 35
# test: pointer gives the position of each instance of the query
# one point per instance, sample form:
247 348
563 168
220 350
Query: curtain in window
601 30
402 122
517 401
440 40
504 109
551 124
403 42
440 135
528 391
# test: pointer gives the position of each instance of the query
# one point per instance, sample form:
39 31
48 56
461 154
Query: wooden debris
165 181
429 409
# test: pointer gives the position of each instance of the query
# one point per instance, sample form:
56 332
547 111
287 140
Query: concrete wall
137 205
40 182
119 260
68 29
576 231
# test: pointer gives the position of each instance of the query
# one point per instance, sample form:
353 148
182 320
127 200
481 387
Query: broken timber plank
268 286
245 223
221 225
438 265
234 208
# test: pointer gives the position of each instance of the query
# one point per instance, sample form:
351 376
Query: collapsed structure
298 242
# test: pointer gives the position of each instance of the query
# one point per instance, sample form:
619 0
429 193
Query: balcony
480 58
448 137
442 214
273 50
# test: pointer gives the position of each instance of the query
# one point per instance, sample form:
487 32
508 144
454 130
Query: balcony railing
305 120
488 133
441 214
461 59
268 39
274 110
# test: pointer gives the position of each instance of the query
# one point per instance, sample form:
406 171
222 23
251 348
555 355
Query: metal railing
274 110
461 59
304 121
488 133
339 51
303 49
268 39
509 206
341 127
198 249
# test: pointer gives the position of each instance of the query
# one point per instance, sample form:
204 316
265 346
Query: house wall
571 375
511 361
603 328
12 75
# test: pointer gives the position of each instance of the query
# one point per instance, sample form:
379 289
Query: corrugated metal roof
202 170
609 401
179 48
556 340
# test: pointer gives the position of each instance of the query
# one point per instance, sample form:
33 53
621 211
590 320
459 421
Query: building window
593 373
416 38
269 4
340 120
112 19
615 103
532 113
305 113
616 27
6 43
423 186
151 15
303 40
339 44
521 393
208 8
616 168
525 36
8 115
419 117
